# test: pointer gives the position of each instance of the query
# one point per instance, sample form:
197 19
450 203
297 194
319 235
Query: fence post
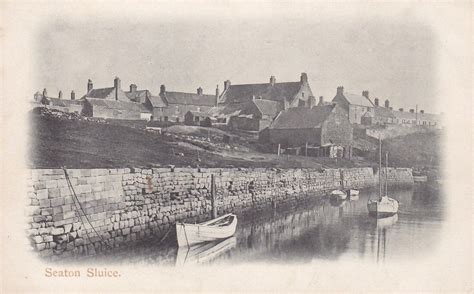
213 197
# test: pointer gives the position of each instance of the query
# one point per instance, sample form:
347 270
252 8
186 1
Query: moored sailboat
384 206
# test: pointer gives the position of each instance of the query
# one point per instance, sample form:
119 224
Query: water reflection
321 229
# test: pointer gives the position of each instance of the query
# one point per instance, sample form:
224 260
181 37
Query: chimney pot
321 100
387 103
217 94
304 77
117 87
133 88
199 91
400 109
73 95
90 86
45 93
422 111
412 110
60 94
162 89
272 80
376 101
365 94
226 85
340 90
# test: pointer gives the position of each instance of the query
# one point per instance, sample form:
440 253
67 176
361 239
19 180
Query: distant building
356 105
288 94
380 115
318 126
177 104
194 118
255 115
111 93
66 105
420 118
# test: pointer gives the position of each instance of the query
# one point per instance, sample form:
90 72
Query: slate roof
62 102
302 117
138 95
241 93
99 93
119 105
157 101
200 113
189 99
268 107
358 100
227 110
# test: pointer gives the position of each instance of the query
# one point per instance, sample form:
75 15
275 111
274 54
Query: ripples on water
321 229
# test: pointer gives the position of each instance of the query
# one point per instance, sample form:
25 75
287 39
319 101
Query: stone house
380 115
356 105
317 126
115 109
254 115
194 118
59 103
179 103
111 93
288 94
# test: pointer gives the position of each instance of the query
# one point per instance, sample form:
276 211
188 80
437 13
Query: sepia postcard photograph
236 146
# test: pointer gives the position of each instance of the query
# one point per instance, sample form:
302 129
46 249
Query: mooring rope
78 203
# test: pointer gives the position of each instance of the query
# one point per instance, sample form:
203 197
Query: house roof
119 105
138 94
268 107
358 100
189 99
99 93
227 110
157 101
302 117
421 116
200 113
63 102
241 93
383 112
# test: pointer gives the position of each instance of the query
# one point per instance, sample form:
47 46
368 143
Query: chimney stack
422 111
387 103
217 94
272 80
304 77
133 88
365 94
73 95
162 89
60 94
340 90
412 110
117 87
376 101
311 102
400 109
226 85
90 86
321 100
45 93
199 91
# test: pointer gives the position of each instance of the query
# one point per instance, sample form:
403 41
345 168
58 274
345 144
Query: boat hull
338 194
190 234
383 208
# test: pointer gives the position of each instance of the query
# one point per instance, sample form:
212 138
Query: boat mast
386 173
380 167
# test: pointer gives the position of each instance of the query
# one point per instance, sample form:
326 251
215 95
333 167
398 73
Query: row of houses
285 113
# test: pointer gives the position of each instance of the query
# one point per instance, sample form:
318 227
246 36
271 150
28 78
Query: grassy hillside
74 142
414 150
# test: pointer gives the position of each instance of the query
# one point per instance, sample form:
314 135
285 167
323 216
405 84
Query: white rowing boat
219 228
339 194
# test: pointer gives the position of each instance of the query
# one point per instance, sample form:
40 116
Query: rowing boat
219 228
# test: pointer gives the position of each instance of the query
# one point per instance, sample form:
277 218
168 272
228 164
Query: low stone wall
120 206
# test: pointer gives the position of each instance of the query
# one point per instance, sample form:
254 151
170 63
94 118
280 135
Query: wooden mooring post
213 197
279 150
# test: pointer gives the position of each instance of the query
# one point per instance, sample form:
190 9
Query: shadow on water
318 229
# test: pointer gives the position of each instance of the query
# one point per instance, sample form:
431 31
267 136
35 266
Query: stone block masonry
121 206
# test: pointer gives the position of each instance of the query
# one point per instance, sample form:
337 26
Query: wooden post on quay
213 197
279 150
306 149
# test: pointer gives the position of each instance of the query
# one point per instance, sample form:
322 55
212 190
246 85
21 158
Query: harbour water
319 230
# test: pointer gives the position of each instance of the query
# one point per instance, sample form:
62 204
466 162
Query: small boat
204 252
219 228
384 206
338 194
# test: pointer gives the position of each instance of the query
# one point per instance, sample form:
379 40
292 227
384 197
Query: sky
393 58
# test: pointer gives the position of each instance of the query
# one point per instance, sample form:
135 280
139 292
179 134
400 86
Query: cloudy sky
390 53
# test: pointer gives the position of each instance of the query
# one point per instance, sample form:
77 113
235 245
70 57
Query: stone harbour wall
111 207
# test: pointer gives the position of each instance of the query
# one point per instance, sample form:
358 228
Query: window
196 119
166 118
